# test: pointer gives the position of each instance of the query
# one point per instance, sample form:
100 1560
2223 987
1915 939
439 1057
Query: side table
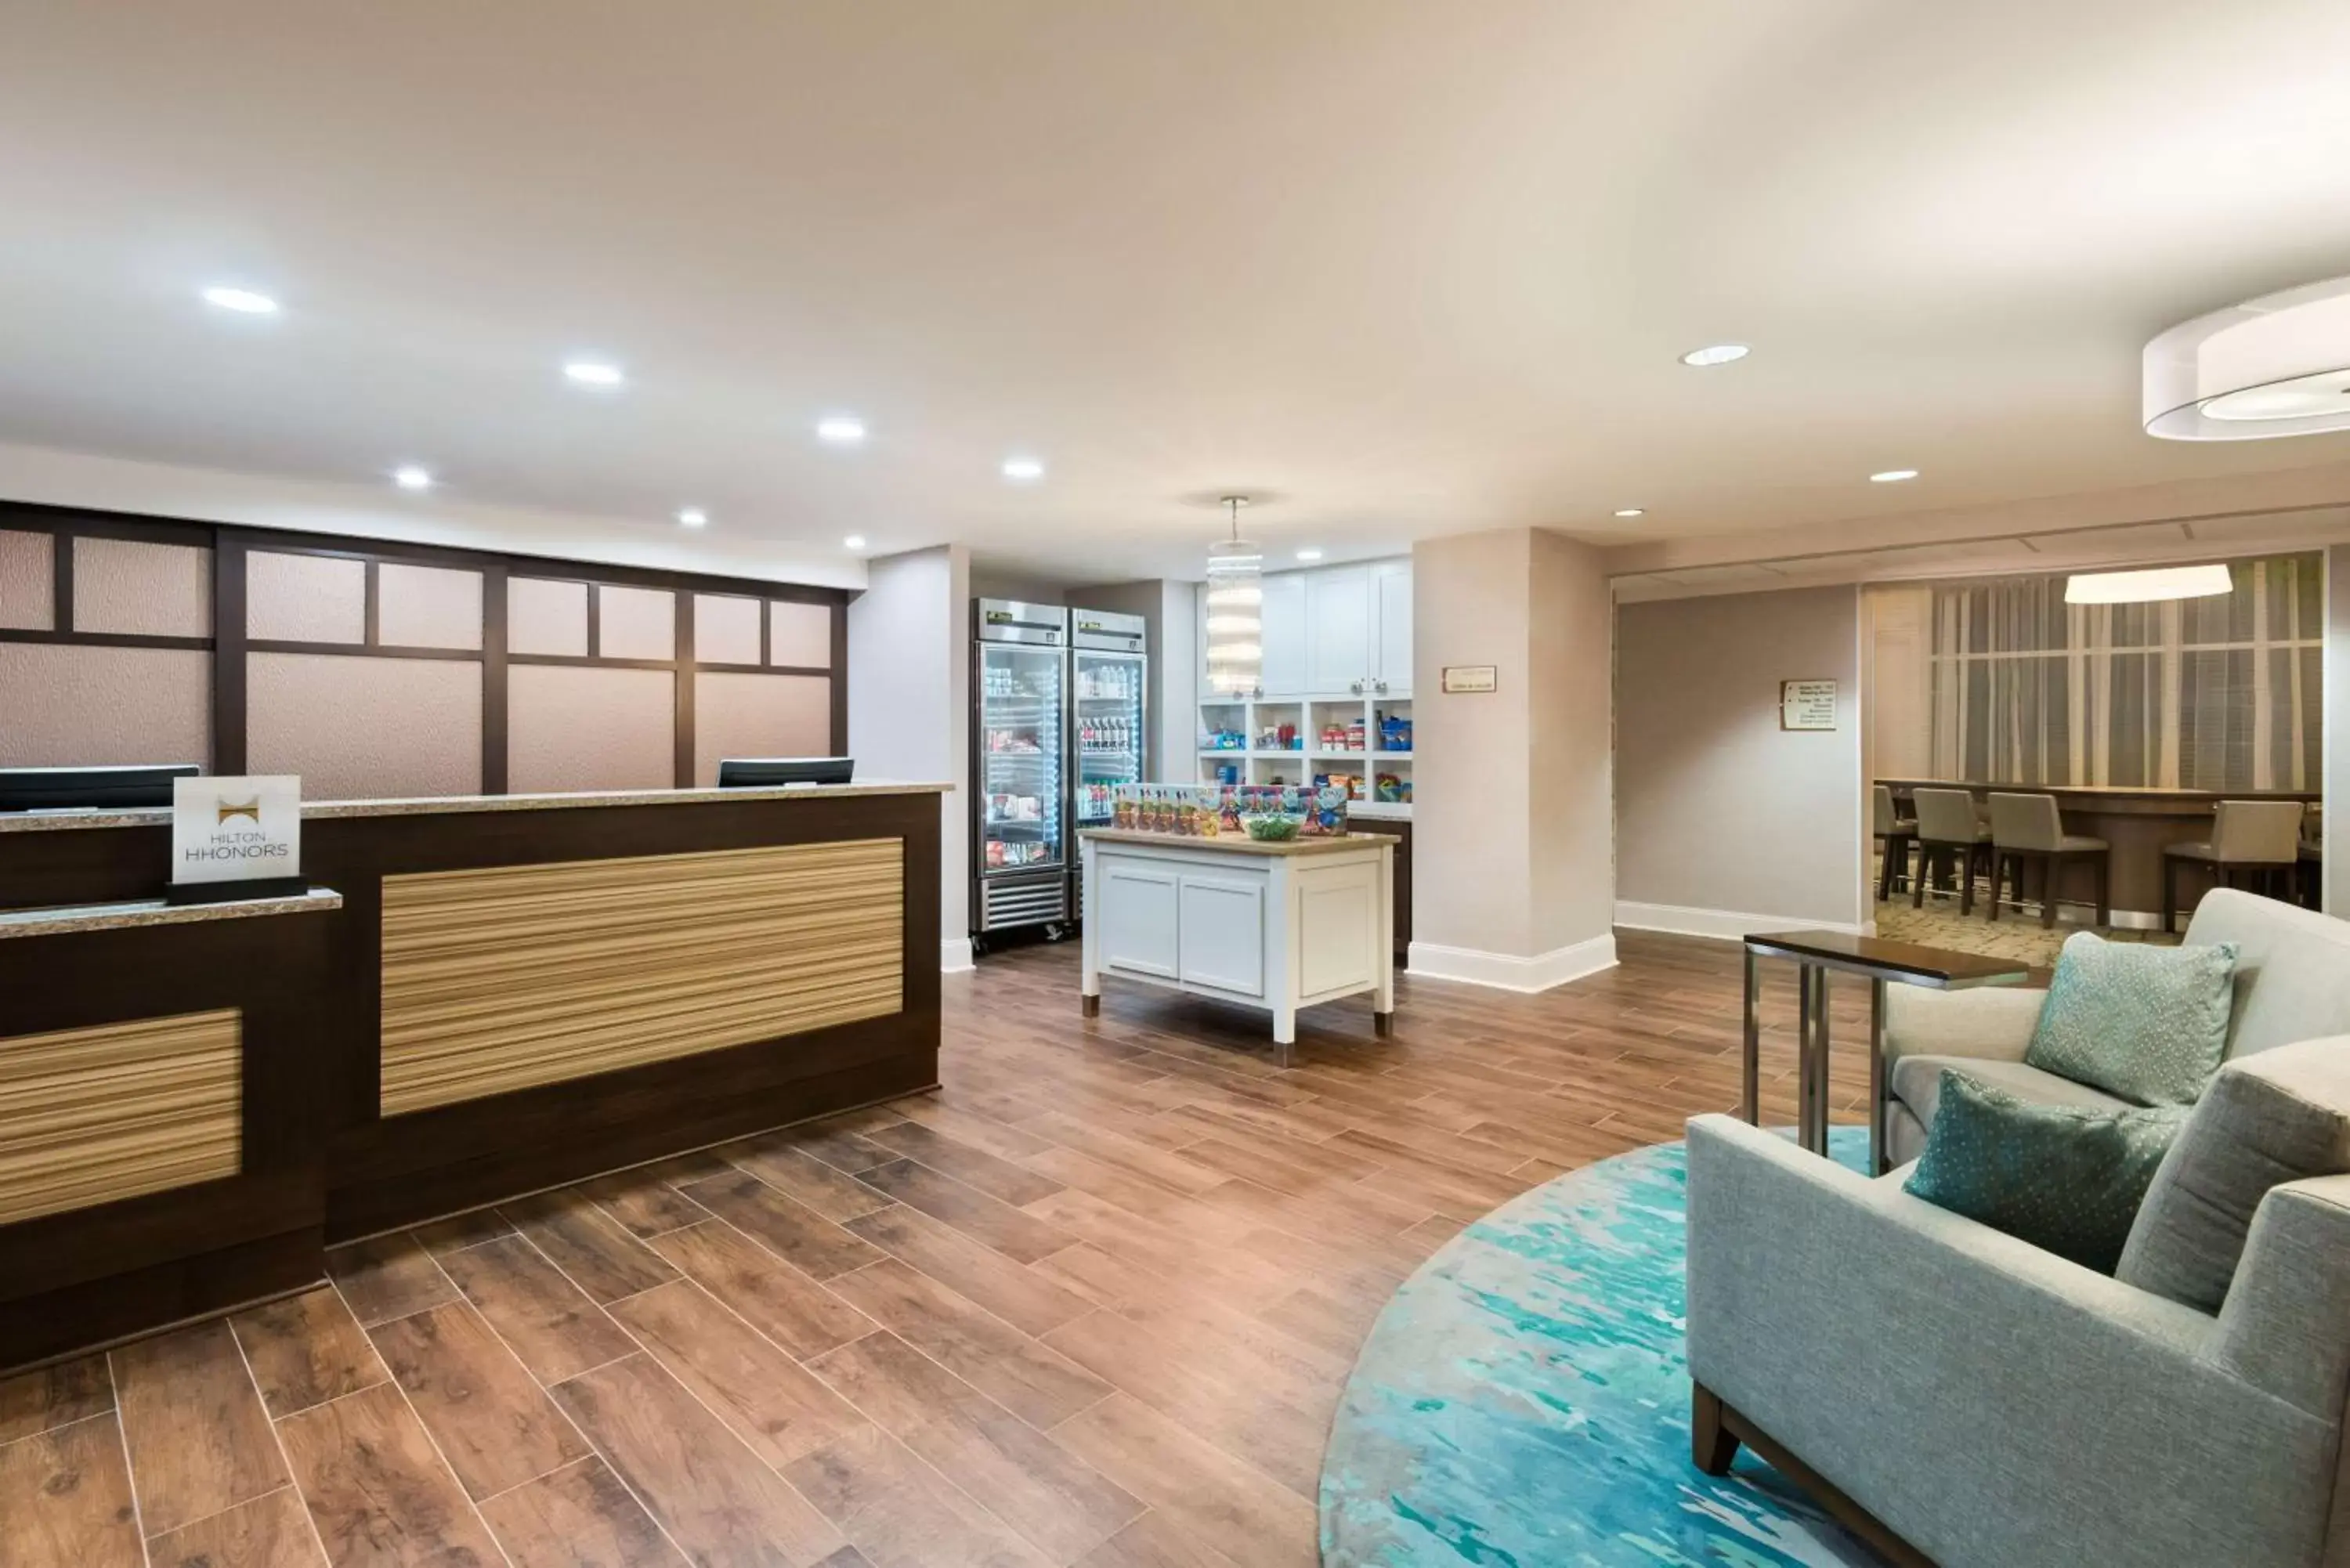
1817 954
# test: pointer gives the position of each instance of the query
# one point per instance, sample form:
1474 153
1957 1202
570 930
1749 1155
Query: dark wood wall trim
230 726
494 679
232 546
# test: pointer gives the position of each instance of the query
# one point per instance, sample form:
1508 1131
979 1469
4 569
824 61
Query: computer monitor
91 789
767 772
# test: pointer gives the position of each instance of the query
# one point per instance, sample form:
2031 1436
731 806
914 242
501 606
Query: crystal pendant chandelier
1236 610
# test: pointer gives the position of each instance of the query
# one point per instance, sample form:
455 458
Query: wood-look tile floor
1090 1304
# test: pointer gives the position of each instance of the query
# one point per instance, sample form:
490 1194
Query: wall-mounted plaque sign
235 838
1807 704
1471 676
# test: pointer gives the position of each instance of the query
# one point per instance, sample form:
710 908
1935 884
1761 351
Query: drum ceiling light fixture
2275 366
1236 608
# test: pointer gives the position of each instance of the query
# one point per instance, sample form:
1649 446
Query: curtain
2217 693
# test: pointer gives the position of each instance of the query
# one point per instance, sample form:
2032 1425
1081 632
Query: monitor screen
767 772
91 789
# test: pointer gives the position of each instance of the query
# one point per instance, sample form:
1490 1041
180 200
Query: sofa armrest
2285 1326
1991 1022
1971 1390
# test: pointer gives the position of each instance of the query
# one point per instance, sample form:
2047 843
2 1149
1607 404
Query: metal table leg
1812 1077
1749 1097
1877 1098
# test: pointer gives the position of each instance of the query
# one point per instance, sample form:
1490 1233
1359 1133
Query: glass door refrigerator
1109 735
1020 696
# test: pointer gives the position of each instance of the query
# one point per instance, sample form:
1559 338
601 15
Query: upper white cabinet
1391 628
1338 629
1285 635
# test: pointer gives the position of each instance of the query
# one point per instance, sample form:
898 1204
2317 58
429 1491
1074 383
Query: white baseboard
1727 925
955 955
1508 972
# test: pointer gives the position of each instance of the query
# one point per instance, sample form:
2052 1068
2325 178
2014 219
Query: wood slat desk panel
118 1110
517 976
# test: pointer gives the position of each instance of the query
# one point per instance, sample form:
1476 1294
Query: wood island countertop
1239 844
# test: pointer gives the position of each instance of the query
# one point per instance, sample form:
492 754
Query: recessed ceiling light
1893 476
693 516
408 476
241 299
1631 512
1023 468
1309 553
1716 354
841 430
854 542
593 373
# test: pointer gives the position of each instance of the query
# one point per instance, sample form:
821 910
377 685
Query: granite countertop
62 918
1240 844
1381 810
438 805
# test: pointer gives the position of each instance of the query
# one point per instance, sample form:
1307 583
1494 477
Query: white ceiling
1414 267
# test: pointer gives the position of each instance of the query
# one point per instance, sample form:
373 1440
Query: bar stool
1949 834
2028 830
2249 838
1897 833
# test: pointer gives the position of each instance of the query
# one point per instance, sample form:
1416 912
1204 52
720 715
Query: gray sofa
2292 983
1965 1398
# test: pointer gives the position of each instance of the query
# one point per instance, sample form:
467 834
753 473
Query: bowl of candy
1271 829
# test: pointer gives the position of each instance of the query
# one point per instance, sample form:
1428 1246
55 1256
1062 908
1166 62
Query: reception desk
506 993
2136 822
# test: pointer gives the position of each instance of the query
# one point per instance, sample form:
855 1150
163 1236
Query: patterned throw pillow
2144 1024
2066 1178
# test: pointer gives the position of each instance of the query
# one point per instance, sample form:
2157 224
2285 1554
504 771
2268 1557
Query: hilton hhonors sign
235 837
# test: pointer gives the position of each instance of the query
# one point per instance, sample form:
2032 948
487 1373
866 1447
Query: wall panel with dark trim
380 670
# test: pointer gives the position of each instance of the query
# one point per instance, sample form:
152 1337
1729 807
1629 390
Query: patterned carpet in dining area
1522 1402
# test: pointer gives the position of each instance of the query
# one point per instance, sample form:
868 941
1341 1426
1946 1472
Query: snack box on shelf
1212 810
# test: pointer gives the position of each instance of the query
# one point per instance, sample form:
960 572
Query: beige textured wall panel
636 623
28 584
799 635
94 1116
356 728
737 715
576 727
428 606
61 706
151 590
303 598
544 616
725 629
505 978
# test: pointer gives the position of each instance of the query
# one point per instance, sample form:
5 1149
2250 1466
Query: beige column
1513 879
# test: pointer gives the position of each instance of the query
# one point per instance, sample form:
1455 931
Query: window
2217 693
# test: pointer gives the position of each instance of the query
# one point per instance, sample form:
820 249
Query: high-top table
1816 954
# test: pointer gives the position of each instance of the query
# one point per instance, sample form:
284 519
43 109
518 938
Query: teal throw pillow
2144 1024
2066 1178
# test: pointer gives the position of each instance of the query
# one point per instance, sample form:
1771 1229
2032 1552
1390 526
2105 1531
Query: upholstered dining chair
1896 833
2028 830
2252 840
1949 836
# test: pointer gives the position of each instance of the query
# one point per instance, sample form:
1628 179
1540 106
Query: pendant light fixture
1236 608
2151 586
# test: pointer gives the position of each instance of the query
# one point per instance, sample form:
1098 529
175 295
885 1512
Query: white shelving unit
1337 652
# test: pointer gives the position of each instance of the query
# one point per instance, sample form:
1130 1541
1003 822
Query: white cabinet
1220 936
1285 635
1338 628
1391 628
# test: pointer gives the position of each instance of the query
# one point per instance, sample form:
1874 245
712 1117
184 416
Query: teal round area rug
1524 1401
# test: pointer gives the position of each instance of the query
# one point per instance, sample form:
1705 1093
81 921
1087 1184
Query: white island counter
1275 926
